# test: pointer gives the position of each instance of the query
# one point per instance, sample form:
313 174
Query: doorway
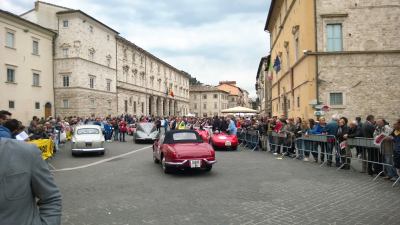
47 110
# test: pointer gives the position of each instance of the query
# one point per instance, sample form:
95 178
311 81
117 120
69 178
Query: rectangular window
204 96
11 104
10 39
10 75
35 47
204 106
109 104
36 79
215 96
215 105
195 106
142 107
334 37
37 105
91 29
91 55
65 23
108 85
65 52
298 102
134 107
92 103
296 49
108 62
65 103
336 98
65 81
91 81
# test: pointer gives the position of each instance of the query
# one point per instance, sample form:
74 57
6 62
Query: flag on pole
277 64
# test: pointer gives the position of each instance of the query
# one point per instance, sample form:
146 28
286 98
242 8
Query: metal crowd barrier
327 148
249 138
281 142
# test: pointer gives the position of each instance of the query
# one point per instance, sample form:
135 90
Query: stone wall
369 83
80 102
369 25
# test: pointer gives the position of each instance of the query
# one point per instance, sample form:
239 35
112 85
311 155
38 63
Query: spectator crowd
291 139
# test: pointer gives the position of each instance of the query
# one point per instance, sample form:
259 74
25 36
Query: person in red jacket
122 130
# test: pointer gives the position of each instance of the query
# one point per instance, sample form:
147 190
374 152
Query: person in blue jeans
319 129
303 145
331 130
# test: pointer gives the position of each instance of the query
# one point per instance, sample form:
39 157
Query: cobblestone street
244 188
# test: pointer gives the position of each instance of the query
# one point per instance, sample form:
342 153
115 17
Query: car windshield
87 131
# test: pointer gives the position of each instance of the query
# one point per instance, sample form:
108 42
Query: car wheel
234 148
165 168
102 153
208 168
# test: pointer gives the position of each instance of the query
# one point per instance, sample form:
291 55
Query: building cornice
354 52
86 89
83 59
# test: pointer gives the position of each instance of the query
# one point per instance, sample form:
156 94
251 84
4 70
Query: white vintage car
87 138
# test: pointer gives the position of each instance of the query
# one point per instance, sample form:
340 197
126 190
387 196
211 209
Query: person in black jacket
367 131
223 124
342 131
216 123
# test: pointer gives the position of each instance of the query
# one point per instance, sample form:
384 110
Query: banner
46 146
379 139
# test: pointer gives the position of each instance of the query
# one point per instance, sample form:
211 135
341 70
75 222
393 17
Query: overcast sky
212 40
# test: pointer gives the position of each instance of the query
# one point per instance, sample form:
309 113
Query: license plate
88 144
195 163
228 143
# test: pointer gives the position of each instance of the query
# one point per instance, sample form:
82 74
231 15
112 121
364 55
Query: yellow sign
46 146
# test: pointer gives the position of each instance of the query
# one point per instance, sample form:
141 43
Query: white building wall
25 63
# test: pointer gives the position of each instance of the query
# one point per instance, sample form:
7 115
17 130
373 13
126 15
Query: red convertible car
183 149
224 141
204 134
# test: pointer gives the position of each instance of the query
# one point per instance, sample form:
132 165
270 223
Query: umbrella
190 115
239 109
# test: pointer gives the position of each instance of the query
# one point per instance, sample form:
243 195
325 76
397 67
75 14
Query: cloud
212 40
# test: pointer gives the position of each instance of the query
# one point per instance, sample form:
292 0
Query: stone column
162 109
171 108
153 105
166 112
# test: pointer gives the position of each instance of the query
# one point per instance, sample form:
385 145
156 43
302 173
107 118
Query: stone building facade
236 95
207 101
93 73
361 77
344 55
26 69
147 85
263 87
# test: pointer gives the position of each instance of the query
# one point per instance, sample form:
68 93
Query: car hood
192 150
